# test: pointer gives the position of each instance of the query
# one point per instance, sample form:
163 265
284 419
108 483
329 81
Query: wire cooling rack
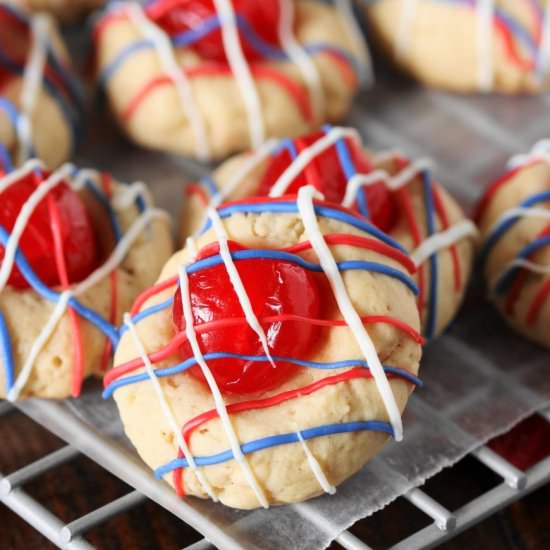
118 461
395 114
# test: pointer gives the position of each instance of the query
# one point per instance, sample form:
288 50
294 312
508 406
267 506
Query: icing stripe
7 354
61 267
508 274
349 313
237 283
485 14
366 74
443 240
393 183
180 338
300 57
38 344
543 58
507 222
236 451
431 317
249 206
241 70
349 265
166 410
177 75
32 78
280 439
191 362
315 467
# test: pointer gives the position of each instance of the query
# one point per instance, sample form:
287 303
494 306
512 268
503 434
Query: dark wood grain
80 486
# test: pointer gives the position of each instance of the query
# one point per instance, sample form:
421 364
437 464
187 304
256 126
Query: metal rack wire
445 523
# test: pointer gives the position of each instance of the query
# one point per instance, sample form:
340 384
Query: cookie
64 10
40 100
398 195
466 45
514 221
76 248
274 356
210 77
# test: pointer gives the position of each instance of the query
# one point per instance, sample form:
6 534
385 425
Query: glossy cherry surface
179 16
37 242
327 175
274 288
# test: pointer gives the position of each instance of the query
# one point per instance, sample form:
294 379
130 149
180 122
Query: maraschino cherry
178 16
80 247
325 173
275 288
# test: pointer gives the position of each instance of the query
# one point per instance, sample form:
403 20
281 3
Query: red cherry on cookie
179 16
326 174
275 288
37 242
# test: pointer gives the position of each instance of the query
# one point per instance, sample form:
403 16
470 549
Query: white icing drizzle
237 283
241 70
23 218
524 264
392 182
191 246
349 313
387 155
539 151
221 409
38 344
300 57
316 467
543 61
121 249
170 65
126 195
444 239
484 21
361 50
19 173
33 75
307 155
404 28
255 158
165 407
82 177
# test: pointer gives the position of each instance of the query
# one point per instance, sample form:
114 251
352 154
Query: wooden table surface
79 486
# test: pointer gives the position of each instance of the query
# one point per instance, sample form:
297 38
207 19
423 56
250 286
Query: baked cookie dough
398 195
197 88
312 287
514 220
41 109
466 45
64 10
58 319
